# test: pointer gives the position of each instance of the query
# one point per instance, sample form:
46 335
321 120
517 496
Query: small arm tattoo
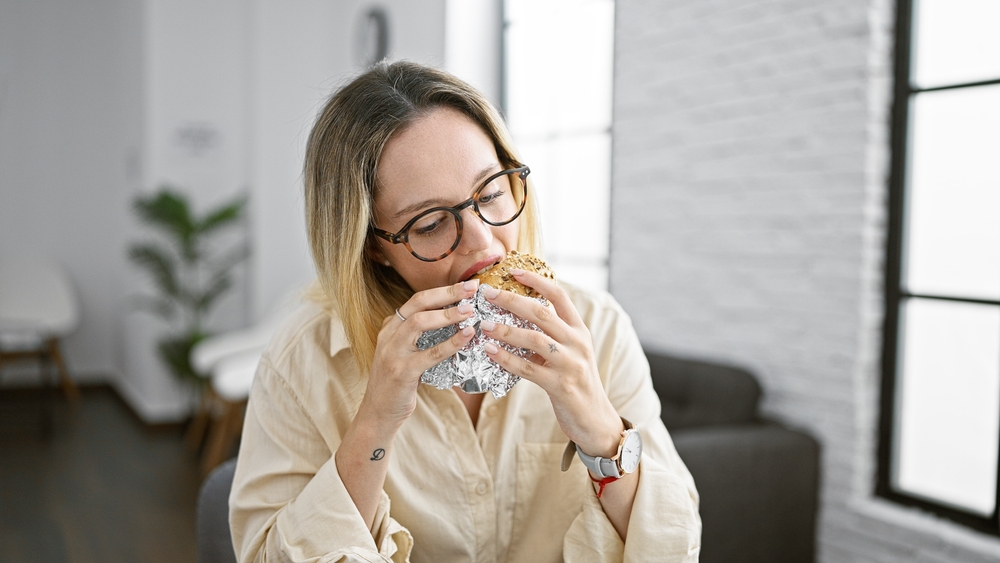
378 454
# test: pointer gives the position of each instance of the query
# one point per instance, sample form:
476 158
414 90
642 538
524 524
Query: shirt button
482 488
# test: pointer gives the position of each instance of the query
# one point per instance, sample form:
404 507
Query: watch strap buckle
568 454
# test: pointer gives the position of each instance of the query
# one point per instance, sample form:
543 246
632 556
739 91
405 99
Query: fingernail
470 285
491 292
516 271
465 308
491 348
468 331
488 326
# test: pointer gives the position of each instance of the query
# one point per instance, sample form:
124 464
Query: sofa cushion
695 393
759 488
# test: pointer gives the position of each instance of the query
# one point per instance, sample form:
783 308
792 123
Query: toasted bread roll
499 275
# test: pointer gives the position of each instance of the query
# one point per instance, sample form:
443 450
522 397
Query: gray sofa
758 480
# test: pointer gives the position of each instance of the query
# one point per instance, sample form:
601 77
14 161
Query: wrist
625 460
604 442
371 422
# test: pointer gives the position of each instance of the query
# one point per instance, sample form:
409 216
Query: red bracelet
601 482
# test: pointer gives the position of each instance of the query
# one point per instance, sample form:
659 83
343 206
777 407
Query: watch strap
600 466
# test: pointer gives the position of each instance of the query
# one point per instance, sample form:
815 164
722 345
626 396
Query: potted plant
190 275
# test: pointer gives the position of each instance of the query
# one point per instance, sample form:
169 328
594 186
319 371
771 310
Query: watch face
631 451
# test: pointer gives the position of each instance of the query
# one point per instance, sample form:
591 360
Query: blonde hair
341 161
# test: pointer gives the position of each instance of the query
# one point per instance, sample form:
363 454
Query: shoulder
599 309
309 356
615 342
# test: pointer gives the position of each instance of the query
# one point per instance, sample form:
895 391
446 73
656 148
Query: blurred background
807 190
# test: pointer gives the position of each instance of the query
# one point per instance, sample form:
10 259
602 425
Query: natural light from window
947 402
558 83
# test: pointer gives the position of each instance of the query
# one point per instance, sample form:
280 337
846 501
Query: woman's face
438 160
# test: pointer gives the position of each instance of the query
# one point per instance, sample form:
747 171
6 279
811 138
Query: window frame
903 92
554 254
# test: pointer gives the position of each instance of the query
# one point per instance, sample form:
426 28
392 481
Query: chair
38 307
214 540
231 360
759 480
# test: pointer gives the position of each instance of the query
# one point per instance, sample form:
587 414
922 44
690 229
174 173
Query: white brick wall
751 146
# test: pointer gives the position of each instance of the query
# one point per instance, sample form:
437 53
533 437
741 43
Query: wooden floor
100 487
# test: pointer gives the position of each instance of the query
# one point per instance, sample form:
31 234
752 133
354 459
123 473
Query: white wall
195 82
751 146
70 126
303 51
473 39
93 100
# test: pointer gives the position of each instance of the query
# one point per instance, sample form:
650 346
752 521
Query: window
940 406
557 99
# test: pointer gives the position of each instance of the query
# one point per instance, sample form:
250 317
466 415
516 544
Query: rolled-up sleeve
288 502
664 524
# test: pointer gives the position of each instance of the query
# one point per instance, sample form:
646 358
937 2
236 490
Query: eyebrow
438 202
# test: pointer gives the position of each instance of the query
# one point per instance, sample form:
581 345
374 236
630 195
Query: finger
438 297
436 354
545 348
551 291
521 367
437 318
529 309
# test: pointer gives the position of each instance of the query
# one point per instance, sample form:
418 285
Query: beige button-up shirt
453 492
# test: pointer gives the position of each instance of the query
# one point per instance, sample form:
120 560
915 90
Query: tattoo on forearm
378 454
552 348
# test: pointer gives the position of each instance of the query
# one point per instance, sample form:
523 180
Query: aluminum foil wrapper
470 368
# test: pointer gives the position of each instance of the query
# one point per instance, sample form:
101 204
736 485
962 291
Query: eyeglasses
435 233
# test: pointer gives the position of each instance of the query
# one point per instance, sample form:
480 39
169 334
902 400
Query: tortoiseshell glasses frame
403 236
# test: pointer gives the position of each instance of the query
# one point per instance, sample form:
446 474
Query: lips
480 266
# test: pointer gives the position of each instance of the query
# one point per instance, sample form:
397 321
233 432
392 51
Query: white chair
231 361
38 307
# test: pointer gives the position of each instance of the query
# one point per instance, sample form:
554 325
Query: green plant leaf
227 261
175 351
159 265
215 289
168 210
222 216
161 306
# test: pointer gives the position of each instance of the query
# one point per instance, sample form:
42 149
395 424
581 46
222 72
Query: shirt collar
338 338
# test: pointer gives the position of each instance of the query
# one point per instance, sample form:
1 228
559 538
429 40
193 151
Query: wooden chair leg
194 436
68 385
222 435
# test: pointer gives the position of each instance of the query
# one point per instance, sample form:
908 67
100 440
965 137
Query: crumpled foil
470 368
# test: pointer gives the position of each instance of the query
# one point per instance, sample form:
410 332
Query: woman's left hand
563 364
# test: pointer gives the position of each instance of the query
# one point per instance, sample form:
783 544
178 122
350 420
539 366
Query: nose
476 235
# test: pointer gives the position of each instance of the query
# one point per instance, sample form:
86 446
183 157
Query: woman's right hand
391 394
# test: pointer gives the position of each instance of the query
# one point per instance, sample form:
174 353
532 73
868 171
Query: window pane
558 85
560 66
955 41
953 234
571 176
948 412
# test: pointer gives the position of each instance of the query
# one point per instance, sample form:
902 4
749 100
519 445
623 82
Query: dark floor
101 487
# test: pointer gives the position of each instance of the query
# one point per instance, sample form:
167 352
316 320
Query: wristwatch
626 460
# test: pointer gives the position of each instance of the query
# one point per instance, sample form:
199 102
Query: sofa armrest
695 393
759 488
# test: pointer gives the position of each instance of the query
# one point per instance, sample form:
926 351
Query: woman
347 457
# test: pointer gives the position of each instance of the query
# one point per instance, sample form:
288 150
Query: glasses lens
499 201
433 234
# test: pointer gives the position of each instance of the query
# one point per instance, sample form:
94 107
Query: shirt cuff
592 537
665 524
324 519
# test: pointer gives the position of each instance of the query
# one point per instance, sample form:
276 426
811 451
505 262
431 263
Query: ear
374 253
